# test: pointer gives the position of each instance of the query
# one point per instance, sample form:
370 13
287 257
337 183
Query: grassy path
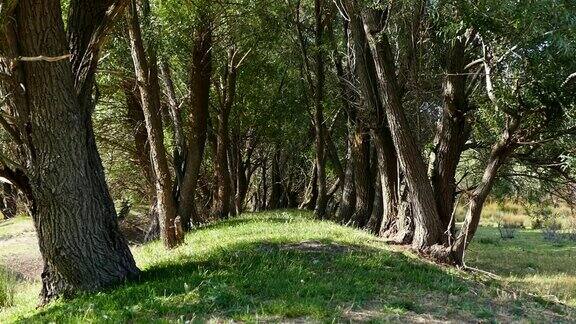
285 266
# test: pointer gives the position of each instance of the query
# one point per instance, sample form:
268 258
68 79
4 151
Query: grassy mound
286 266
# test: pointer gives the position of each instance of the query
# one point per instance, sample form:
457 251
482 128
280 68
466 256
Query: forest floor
285 266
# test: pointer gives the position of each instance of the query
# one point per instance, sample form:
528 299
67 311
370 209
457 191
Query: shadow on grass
295 280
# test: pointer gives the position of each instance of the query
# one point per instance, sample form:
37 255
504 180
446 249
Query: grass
280 266
528 261
286 266
8 285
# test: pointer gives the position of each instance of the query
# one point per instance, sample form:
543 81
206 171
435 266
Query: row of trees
384 115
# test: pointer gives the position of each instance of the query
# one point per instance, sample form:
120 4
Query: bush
7 288
508 229
552 231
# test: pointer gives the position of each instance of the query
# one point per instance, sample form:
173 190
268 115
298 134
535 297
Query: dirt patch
21 256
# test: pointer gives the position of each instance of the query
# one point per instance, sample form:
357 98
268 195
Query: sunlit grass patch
284 265
528 262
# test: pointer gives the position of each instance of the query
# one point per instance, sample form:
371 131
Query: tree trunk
500 151
221 206
348 199
378 208
180 148
311 193
200 78
147 78
403 230
363 179
276 192
136 122
82 247
264 182
428 227
322 200
227 93
388 172
241 188
453 132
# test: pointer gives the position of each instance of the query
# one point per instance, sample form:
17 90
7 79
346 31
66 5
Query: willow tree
58 167
487 78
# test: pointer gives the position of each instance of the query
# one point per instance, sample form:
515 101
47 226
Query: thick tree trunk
241 188
363 179
404 227
348 199
73 212
147 78
388 172
200 78
377 208
428 227
453 132
372 115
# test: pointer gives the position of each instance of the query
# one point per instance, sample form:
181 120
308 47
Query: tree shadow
312 280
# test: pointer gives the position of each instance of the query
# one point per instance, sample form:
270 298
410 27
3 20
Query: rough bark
73 212
388 177
428 227
200 78
227 93
377 208
453 132
146 72
363 179
371 114
348 198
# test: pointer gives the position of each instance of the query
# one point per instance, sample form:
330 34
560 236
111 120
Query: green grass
8 285
286 266
528 261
